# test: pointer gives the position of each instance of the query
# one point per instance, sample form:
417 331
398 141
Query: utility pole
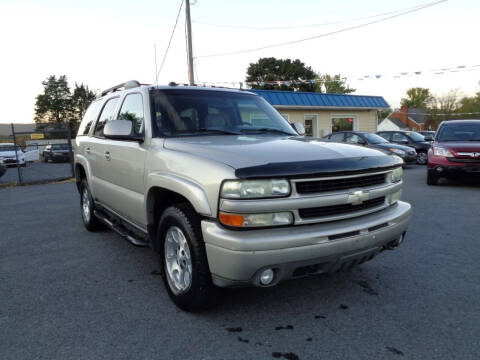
191 79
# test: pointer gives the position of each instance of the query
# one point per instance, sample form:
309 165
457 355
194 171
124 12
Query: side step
120 230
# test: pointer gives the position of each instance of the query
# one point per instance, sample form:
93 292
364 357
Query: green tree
419 98
333 84
80 100
297 74
54 105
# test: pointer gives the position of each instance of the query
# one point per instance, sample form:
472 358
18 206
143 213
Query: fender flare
185 187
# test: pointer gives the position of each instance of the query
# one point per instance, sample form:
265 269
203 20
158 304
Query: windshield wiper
268 130
219 131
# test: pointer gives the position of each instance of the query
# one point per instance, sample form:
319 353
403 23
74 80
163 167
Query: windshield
206 112
5 148
415 136
374 139
60 147
459 132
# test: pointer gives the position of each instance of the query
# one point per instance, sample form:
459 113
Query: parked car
411 139
408 154
455 151
428 135
7 153
222 187
3 168
56 153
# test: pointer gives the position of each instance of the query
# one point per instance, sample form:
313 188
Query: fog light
439 169
266 277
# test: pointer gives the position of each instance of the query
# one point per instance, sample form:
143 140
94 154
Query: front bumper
236 257
443 167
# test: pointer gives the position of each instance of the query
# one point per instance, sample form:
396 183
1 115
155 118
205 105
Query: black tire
91 222
201 293
45 159
422 158
432 178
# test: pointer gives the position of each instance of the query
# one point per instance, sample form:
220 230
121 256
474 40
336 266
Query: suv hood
258 156
467 146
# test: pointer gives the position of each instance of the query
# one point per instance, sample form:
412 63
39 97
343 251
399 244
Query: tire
179 239
422 158
45 159
432 178
90 221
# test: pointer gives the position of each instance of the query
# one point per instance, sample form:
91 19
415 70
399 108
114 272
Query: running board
120 230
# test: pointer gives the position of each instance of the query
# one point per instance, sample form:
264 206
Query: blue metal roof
308 99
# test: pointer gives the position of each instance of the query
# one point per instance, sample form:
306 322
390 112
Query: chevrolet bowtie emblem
358 197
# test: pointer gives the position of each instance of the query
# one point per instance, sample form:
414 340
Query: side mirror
299 128
121 130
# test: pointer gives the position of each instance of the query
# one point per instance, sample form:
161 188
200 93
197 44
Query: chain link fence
37 156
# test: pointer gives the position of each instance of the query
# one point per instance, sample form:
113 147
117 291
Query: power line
325 34
169 42
308 25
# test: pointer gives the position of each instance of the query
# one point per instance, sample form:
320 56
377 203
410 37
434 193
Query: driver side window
353 139
132 110
398 137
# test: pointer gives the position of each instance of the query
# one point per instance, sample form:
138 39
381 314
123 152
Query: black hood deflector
320 168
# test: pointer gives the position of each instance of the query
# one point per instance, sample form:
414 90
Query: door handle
107 155
87 150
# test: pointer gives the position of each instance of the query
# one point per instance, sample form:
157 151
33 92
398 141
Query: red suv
455 151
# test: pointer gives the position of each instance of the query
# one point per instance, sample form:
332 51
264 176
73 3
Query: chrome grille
340 209
318 186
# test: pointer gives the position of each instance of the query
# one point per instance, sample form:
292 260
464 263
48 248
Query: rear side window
89 118
132 110
106 115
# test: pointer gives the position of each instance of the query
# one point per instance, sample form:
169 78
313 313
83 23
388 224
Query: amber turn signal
231 219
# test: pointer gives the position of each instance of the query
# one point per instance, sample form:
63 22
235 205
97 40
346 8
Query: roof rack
126 85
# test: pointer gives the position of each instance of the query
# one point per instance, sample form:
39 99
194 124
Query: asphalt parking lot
37 172
70 294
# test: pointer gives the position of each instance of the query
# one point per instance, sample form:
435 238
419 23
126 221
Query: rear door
125 167
96 153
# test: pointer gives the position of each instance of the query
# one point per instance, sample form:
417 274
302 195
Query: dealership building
323 114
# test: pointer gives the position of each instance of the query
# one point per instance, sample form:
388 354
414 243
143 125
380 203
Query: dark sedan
408 154
409 138
56 152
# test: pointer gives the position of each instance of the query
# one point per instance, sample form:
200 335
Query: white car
7 153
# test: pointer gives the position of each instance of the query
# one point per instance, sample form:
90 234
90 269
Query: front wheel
183 259
422 158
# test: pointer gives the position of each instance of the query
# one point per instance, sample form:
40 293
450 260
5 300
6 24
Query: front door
126 164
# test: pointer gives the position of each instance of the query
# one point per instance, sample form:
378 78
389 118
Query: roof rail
126 85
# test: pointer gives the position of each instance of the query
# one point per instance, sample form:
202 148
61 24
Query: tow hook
393 244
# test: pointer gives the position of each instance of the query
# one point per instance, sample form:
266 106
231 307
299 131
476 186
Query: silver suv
224 189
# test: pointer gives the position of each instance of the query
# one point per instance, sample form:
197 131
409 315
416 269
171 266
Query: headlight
256 220
397 151
396 175
251 189
440 151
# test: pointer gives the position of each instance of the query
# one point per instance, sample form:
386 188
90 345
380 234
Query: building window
344 123
310 125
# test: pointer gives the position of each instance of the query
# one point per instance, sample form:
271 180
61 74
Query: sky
103 42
